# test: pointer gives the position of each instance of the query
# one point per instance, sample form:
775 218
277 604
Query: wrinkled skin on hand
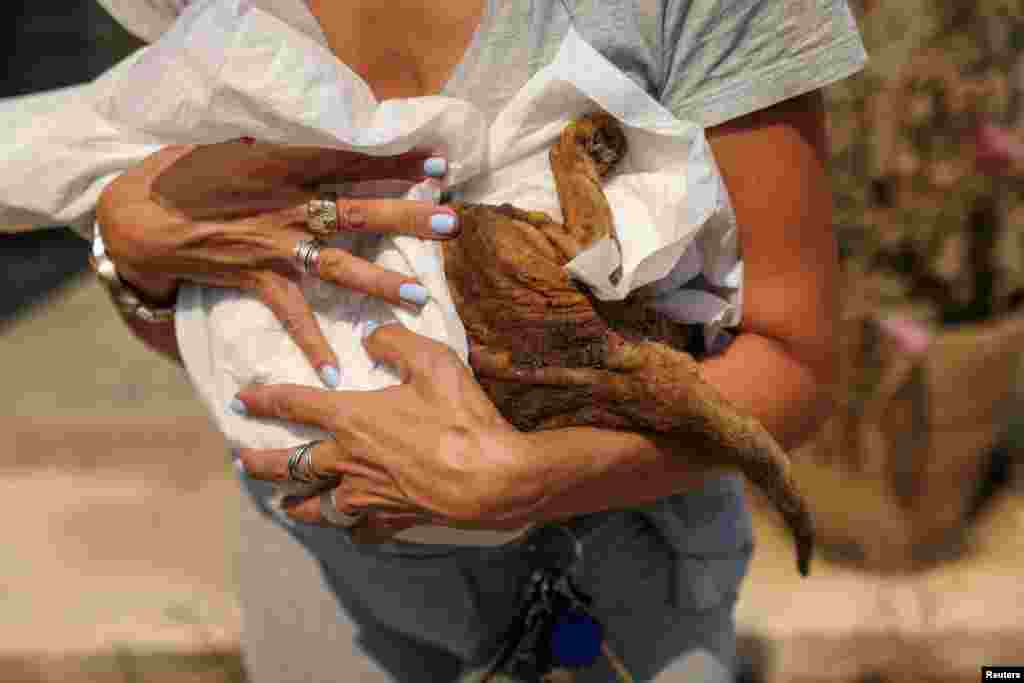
550 356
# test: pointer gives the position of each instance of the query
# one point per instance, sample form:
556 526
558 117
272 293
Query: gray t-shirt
706 61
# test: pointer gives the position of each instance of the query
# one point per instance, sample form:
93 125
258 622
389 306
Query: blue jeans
664 579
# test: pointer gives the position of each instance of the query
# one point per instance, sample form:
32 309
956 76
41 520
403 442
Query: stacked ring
307 253
300 465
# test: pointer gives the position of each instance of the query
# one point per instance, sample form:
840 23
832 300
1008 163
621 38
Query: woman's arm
782 365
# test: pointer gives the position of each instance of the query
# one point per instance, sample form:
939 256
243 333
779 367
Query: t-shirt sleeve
147 19
722 59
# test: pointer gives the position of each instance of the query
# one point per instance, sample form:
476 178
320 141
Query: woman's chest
403 48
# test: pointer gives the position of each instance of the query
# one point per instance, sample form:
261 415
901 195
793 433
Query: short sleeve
147 19
722 59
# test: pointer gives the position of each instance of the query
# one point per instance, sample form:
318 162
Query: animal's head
600 135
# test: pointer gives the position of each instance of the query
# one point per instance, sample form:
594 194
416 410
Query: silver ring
329 510
307 253
300 465
322 215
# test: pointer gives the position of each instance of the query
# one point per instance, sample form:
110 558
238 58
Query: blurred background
121 513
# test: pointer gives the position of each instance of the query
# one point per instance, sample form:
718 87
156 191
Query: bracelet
128 300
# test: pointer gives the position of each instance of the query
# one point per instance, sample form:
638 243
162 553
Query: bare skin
361 34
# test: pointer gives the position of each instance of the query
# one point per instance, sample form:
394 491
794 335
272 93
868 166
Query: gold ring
322 216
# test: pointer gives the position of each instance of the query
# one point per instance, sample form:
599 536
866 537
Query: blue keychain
576 639
555 634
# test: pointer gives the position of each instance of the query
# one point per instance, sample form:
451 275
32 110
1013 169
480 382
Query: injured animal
549 355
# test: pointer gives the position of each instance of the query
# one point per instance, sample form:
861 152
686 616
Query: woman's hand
431 450
231 215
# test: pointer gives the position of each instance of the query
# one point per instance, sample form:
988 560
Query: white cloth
228 68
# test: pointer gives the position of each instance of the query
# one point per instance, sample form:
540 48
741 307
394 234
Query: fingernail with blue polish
330 376
371 325
238 408
435 167
413 293
291 501
443 223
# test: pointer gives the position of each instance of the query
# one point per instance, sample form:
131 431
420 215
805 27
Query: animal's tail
718 431
753 450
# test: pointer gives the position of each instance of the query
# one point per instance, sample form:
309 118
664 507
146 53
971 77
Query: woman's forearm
587 469
591 469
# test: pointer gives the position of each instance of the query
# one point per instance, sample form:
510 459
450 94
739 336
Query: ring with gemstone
322 216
